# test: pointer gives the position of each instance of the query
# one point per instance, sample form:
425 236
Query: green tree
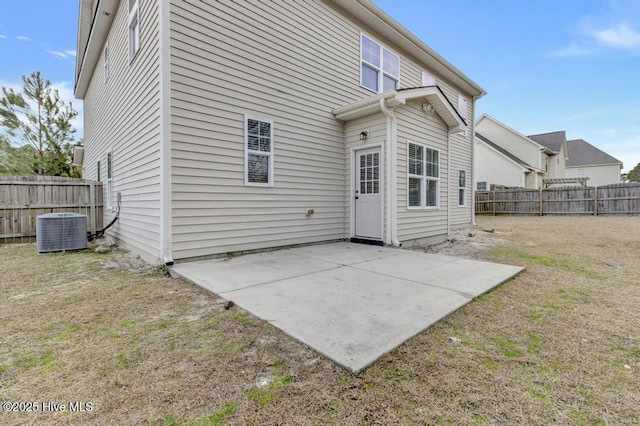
38 117
634 174
15 161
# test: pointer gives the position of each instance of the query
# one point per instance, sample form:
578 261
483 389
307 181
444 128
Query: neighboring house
228 126
506 157
585 160
556 153
506 169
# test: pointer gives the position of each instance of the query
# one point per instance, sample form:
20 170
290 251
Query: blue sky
547 65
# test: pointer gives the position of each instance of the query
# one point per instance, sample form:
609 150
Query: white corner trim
166 240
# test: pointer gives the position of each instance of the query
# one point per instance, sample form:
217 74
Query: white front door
368 201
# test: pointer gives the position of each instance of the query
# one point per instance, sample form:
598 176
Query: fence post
540 195
92 197
595 201
493 204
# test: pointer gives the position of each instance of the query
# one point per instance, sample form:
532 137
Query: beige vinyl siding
461 145
122 116
416 126
288 63
376 125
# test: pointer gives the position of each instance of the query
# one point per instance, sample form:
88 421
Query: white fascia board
97 35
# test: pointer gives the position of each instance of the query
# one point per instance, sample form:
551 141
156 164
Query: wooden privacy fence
618 199
23 199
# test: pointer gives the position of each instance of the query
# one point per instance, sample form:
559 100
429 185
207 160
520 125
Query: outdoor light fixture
364 135
427 107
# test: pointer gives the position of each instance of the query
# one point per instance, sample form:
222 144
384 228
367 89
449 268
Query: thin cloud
2 36
572 50
57 53
70 53
620 37
23 38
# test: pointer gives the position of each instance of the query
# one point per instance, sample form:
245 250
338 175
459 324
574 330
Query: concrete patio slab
352 303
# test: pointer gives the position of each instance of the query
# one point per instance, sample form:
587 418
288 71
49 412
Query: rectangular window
105 62
134 29
481 186
462 188
258 152
109 180
99 178
580 172
379 67
423 176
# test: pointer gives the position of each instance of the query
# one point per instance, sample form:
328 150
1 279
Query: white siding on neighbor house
496 169
417 126
262 59
598 175
121 115
513 143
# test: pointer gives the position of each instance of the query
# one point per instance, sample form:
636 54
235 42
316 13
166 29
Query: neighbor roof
552 140
504 152
582 153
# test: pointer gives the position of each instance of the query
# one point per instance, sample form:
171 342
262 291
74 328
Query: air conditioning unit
61 232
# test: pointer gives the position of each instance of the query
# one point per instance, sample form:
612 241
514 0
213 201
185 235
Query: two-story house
507 158
222 126
588 161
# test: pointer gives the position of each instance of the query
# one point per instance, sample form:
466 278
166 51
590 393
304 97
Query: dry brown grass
558 345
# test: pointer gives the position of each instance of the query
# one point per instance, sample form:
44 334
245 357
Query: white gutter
166 243
392 178
449 185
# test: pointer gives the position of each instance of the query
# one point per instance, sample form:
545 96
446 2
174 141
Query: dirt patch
557 345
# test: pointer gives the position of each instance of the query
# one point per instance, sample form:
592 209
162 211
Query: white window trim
105 62
380 69
110 180
247 151
133 29
423 195
462 188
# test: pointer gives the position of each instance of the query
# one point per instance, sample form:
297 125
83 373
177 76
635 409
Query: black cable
98 234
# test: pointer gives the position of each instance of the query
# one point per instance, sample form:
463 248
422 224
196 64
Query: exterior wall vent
61 232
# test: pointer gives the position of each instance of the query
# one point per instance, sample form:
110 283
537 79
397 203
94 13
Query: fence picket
616 199
23 199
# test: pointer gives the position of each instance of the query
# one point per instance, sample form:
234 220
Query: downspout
473 160
164 94
392 174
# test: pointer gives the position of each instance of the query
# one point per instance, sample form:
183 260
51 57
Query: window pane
252 142
370 52
415 192
415 159
462 179
388 83
376 187
265 144
258 168
461 197
390 63
369 78
432 163
432 193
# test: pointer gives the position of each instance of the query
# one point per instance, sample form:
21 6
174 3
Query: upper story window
379 68
258 152
423 176
134 29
